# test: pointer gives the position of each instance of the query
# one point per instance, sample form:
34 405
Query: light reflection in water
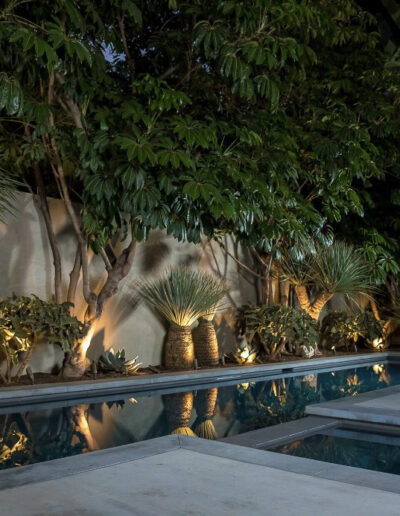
41 435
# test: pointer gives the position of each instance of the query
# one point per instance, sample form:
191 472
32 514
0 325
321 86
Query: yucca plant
336 269
204 335
182 296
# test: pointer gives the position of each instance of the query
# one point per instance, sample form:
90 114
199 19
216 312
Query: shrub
25 320
342 329
278 326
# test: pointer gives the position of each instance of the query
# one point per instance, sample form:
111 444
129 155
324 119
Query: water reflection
41 435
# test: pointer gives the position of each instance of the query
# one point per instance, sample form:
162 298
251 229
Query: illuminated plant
24 321
204 335
277 328
181 296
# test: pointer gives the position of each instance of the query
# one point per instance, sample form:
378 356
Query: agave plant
182 296
111 361
339 268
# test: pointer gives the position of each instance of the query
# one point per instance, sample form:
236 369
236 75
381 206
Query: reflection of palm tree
178 408
205 403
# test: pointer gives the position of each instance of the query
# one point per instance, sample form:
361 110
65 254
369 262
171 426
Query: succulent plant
244 354
116 361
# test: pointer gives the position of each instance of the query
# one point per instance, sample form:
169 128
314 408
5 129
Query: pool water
349 448
41 434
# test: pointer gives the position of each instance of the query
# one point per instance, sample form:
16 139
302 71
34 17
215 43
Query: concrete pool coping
381 406
23 395
81 464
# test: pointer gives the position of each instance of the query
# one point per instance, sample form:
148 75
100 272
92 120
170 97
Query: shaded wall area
26 268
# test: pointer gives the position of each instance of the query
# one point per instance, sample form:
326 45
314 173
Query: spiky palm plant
204 335
337 269
182 296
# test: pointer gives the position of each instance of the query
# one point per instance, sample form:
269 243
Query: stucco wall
26 268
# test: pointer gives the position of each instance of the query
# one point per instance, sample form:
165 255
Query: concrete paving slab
382 406
187 482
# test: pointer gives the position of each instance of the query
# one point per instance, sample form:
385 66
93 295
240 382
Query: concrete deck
181 476
381 407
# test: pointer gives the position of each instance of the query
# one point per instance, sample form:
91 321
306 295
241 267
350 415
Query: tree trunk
76 362
206 344
374 309
284 288
179 348
27 358
302 296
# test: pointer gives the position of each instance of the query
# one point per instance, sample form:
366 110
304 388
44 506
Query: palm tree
337 269
182 296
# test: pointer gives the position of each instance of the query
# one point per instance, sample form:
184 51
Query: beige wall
26 268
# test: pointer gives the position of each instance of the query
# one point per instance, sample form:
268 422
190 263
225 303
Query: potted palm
181 296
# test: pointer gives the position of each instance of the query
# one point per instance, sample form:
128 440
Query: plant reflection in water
212 413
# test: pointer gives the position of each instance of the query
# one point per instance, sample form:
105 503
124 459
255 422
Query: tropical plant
336 269
340 329
204 335
181 296
117 362
278 327
26 320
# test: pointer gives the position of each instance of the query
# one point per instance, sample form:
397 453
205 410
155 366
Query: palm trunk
319 304
284 288
179 348
206 344
374 309
303 298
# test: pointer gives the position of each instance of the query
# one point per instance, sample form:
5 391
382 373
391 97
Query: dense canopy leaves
271 120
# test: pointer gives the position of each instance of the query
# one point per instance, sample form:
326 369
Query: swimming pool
40 434
360 449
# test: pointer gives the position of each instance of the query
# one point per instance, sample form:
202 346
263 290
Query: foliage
182 296
337 268
341 329
24 320
27 318
116 362
8 186
273 325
